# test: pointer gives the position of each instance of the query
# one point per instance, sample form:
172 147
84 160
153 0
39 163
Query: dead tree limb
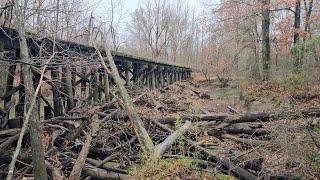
77 168
98 173
141 133
161 148
81 160
10 132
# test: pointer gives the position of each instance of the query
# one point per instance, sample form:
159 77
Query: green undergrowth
292 81
225 93
181 168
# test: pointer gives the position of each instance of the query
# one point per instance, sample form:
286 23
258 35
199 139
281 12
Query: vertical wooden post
165 77
156 75
153 79
177 75
147 79
100 83
95 88
68 87
127 65
83 83
9 87
21 101
174 75
57 103
135 75
4 69
73 79
161 78
4 72
106 86
127 73
36 80
90 87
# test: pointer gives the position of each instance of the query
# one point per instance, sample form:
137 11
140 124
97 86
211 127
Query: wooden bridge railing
74 75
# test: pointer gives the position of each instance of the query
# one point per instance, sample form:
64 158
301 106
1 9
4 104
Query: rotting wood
103 174
77 168
10 132
103 165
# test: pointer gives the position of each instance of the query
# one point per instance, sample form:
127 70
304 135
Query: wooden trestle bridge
74 74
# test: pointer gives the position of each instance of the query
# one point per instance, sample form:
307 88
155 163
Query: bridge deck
9 39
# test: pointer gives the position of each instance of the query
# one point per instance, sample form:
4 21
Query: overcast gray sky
133 4
99 6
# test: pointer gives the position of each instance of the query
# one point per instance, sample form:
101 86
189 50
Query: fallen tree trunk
227 165
161 148
251 142
10 132
233 119
98 164
192 118
98 173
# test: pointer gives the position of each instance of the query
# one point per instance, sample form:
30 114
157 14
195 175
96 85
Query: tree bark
39 169
296 36
265 39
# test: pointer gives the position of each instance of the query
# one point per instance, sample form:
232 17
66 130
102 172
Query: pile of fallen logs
101 141
93 143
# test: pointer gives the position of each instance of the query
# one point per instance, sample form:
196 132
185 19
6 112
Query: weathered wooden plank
57 103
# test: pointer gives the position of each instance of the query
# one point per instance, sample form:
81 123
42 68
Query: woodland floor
288 150
268 149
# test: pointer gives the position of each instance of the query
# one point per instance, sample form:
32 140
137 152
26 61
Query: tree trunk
308 15
296 36
265 39
39 168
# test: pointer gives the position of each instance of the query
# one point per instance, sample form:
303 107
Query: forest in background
222 37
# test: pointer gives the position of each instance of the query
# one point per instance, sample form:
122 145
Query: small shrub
292 82
181 168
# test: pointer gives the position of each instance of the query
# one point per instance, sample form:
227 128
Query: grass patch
181 168
225 93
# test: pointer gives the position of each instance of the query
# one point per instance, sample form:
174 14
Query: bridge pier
106 86
57 103
161 72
